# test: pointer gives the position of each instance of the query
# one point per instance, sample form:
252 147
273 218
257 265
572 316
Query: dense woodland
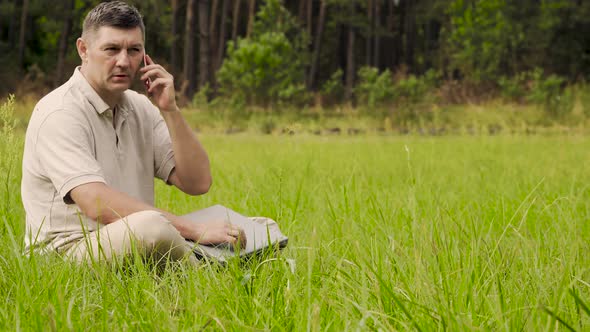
292 51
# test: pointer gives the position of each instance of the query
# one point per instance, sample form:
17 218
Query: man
93 148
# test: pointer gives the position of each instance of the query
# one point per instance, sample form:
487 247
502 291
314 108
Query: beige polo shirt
72 140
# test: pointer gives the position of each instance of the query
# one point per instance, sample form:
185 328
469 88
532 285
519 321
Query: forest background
434 66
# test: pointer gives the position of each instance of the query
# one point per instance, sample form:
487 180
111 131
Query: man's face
111 58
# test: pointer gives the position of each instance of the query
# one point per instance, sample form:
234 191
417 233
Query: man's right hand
217 232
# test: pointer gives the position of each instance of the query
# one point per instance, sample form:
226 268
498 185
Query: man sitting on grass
93 148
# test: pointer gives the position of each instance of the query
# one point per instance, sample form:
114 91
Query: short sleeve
163 153
64 148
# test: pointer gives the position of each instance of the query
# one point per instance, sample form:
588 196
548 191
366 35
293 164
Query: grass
390 233
386 233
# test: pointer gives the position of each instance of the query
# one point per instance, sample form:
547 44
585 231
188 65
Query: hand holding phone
147 82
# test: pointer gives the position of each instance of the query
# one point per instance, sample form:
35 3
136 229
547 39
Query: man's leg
148 233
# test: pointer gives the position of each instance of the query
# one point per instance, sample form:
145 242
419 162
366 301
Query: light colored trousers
148 233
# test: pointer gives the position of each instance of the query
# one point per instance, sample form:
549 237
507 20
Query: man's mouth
120 78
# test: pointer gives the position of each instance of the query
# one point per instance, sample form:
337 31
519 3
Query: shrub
374 89
268 68
413 89
481 38
513 88
262 71
549 93
333 89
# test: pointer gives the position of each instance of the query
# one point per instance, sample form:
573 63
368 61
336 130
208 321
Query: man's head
114 14
111 48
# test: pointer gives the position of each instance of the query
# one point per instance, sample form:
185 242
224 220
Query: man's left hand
161 89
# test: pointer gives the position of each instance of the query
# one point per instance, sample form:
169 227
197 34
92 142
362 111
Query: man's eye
134 50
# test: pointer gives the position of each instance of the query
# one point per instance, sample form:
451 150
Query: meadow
386 233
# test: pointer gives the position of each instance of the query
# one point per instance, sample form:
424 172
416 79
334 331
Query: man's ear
82 47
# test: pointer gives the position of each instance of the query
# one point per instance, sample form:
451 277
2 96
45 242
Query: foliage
9 152
7 127
374 88
414 89
548 91
535 87
268 68
513 88
262 71
481 44
481 38
201 98
560 47
333 89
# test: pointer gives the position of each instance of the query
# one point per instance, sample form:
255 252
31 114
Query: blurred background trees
276 52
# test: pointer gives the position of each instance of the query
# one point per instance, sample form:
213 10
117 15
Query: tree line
264 51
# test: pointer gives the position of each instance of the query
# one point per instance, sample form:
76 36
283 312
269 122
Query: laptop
260 236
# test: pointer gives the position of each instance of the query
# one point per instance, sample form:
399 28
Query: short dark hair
116 14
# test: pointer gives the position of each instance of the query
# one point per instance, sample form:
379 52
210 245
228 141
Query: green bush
201 98
481 38
333 89
268 68
262 71
416 89
374 89
583 94
513 88
549 92
534 87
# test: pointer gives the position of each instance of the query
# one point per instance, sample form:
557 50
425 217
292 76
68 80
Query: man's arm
104 204
191 173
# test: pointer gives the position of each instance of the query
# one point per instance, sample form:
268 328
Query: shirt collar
94 99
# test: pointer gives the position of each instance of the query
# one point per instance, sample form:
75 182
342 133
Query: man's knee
150 228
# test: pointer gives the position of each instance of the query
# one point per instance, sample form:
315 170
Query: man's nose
123 59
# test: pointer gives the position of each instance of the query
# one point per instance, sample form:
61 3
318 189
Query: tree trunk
410 35
222 34
173 23
63 42
302 11
213 20
251 15
4 4
21 36
317 46
309 17
204 50
368 46
12 25
350 64
188 85
213 31
235 21
395 26
376 31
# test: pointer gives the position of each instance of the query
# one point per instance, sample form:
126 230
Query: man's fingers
238 235
157 82
235 232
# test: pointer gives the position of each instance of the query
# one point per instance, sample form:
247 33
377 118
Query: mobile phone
147 82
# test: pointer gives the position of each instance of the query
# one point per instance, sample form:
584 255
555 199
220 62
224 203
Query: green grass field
386 233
